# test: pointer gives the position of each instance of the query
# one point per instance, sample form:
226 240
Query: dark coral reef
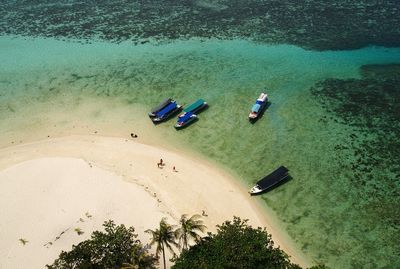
371 107
312 24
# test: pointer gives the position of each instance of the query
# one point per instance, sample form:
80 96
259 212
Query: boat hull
269 182
167 115
259 107
200 108
159 107
186 123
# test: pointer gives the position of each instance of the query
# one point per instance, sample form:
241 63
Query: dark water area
317 24
371 106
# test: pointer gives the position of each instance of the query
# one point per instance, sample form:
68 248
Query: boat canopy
255 108
166 109
273 178
194 106
263 97
185 117
161 105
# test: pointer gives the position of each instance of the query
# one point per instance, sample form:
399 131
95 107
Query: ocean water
54 85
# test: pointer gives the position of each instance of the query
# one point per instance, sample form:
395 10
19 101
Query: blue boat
185 120
166 112
196 107
160 106
259 106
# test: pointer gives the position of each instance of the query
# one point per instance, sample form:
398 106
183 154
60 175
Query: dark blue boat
160 106
167 112
185 120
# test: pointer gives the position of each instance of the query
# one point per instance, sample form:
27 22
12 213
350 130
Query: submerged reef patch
370 155
312 24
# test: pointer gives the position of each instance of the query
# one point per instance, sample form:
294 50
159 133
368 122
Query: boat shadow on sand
287 179
261 114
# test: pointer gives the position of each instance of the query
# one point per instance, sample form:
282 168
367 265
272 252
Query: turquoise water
318 206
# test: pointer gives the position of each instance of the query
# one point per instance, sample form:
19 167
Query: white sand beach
51 187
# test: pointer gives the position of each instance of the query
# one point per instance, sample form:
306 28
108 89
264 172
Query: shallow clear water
318 206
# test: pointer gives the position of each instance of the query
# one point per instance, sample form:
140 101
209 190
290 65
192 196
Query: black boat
159 107
271 180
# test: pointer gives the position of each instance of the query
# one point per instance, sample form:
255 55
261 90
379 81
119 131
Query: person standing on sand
160 164
174 170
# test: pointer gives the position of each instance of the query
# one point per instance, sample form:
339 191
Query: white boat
259 106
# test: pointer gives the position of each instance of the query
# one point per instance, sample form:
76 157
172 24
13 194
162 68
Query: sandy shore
51 187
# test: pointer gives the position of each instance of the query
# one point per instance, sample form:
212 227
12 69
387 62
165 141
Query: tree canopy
235 245
117 247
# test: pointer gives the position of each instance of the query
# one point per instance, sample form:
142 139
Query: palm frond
189 229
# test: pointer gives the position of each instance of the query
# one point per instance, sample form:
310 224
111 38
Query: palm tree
140 258
163 237
189 229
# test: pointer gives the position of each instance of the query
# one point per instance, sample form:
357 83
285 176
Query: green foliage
114 248
319 266
235 245
163 237
189 229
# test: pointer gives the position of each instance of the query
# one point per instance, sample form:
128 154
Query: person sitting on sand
134 135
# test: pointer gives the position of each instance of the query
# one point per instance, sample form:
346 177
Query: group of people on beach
161 164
